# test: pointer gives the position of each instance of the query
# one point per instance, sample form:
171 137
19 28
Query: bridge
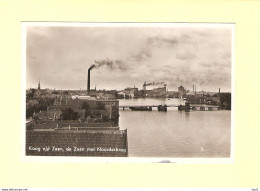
201 107
128 106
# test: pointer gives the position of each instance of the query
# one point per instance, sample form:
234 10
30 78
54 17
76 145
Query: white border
137 189
23 90
80 159
233 71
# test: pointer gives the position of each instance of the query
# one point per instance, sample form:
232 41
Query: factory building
154 89
181 91
157 92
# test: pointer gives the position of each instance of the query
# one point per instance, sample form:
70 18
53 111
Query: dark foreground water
176 133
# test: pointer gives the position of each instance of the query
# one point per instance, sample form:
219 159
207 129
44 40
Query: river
175 133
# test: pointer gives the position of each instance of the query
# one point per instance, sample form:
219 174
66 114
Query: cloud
185 55
76 70
142 55
136 54
226 55
207 65
160 41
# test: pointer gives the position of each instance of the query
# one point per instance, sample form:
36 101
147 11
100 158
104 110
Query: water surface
175 133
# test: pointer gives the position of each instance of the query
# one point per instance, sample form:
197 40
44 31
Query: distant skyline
59 56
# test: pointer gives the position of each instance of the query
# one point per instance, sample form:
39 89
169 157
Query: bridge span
186 107
128 106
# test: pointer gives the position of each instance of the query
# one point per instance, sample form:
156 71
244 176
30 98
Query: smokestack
144 86
219 90
193 88
89 80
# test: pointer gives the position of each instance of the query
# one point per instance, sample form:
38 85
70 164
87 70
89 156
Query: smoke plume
117 64
153 83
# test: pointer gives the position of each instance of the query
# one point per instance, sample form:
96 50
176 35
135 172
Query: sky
127 56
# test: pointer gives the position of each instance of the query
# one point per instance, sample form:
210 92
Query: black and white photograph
135 90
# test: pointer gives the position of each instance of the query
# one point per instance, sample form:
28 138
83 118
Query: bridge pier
202 108
162 108
187 106
187 109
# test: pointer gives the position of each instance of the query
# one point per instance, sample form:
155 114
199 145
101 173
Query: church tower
39 85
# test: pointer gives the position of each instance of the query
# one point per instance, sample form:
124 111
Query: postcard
147 92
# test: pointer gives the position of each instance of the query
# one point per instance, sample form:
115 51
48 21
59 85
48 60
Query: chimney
193 88
219 90
89 80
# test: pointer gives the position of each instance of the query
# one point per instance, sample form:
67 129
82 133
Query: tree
31 107
31 94
86 106
31 103
29 112
69 114
36 106
66 92
55 92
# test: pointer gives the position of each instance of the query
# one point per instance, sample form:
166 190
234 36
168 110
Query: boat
162 108
141 108
185 107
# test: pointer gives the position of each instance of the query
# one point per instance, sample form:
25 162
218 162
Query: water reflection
187 114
